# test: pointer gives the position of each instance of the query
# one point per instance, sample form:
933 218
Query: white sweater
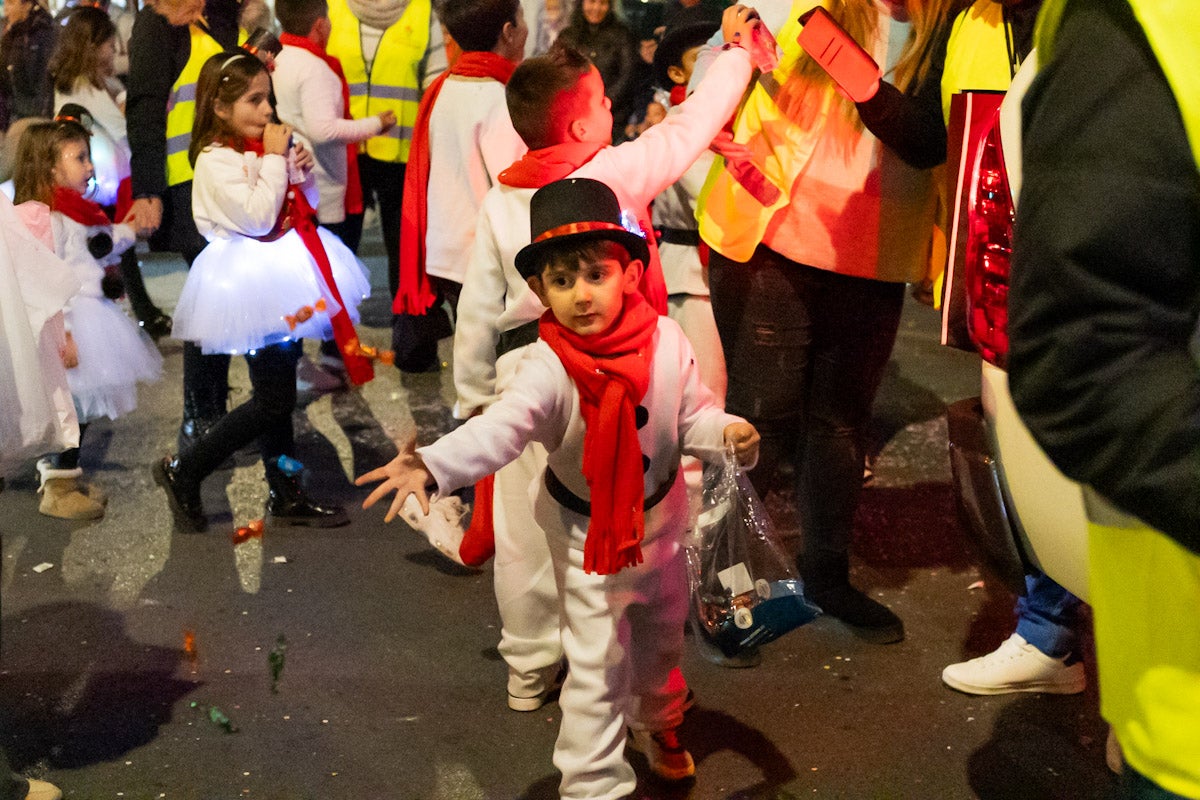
308 96
471 142
240 194
495 298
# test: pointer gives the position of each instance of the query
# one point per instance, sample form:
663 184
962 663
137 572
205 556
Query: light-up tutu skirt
240 292
114 356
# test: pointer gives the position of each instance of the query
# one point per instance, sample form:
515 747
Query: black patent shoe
192 430
185 505
156 325
287 502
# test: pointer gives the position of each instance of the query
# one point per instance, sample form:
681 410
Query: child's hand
69 353
277 139
724 145
738 23
743 438
302 157
405 474
388 119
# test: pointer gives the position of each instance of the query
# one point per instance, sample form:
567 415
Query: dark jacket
1105 297
158 52
611 48
25 51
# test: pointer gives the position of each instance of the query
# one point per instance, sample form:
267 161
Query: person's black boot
827 584
289 505
184 501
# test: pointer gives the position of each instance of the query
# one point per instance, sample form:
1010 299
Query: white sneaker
1015 666
543 687
444 525
666 757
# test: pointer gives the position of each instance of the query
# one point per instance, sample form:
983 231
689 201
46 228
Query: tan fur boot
62 496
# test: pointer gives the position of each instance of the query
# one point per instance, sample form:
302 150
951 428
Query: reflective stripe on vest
394 82
181 106
976 53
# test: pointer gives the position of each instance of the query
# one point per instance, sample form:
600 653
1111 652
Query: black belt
685 236
517 337
574 502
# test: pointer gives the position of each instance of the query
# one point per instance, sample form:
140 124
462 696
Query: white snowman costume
241 291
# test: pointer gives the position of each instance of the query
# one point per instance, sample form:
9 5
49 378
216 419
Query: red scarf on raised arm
416 294
72 204
611 370
354 196
296 214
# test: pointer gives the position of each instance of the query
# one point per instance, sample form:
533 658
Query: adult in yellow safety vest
390 50
171 40
1105 348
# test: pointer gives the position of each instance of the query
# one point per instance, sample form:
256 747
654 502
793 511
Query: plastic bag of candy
745 591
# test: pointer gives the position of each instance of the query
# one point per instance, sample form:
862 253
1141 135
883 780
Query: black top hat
682 36
577 210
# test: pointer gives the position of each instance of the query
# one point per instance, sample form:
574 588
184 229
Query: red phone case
843 58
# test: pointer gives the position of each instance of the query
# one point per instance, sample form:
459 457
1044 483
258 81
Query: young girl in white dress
106 355
267 279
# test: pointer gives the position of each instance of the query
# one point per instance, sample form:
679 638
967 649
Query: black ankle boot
827 584
287 502
184 501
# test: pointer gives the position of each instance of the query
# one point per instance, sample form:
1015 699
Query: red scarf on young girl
611 370
296 214
416 294
71 203
354 196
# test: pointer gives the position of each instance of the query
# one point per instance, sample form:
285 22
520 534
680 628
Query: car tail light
989 250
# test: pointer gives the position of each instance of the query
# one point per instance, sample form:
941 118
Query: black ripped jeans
805 350
266 416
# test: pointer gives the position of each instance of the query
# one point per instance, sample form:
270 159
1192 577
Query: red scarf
678 94
416 295
71 203
296 214
546 165
354 196
611 370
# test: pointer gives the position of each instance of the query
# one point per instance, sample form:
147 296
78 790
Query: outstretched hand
738 24
405 474
743 438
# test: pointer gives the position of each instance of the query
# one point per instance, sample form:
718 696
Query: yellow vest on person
976 53
394 81
181 106
1145 586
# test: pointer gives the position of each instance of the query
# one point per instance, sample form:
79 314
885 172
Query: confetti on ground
279 560
975 585
189 645
42 567
275 660
252 531
218 717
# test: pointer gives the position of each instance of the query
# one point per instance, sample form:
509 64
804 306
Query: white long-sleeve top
471 141
495 298
542 405
71 245
240 193
676 208
308 96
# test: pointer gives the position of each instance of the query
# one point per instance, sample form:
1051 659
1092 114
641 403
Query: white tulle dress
114 353
240 292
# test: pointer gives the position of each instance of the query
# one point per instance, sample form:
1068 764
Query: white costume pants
623 638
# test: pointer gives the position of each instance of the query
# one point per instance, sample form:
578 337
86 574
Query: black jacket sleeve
158 52
1105 294
911 124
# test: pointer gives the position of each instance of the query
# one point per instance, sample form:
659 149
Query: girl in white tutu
106 354
267 278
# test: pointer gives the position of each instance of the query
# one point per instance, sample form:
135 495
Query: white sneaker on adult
40 790
443 526
1015 666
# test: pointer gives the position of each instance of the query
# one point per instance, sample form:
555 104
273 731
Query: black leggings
266 416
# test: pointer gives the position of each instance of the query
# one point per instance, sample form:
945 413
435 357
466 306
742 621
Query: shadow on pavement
76 690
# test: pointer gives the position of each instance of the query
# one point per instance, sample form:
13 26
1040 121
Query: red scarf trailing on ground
549 164
611 370
415 294
296 214
71 203
354 197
